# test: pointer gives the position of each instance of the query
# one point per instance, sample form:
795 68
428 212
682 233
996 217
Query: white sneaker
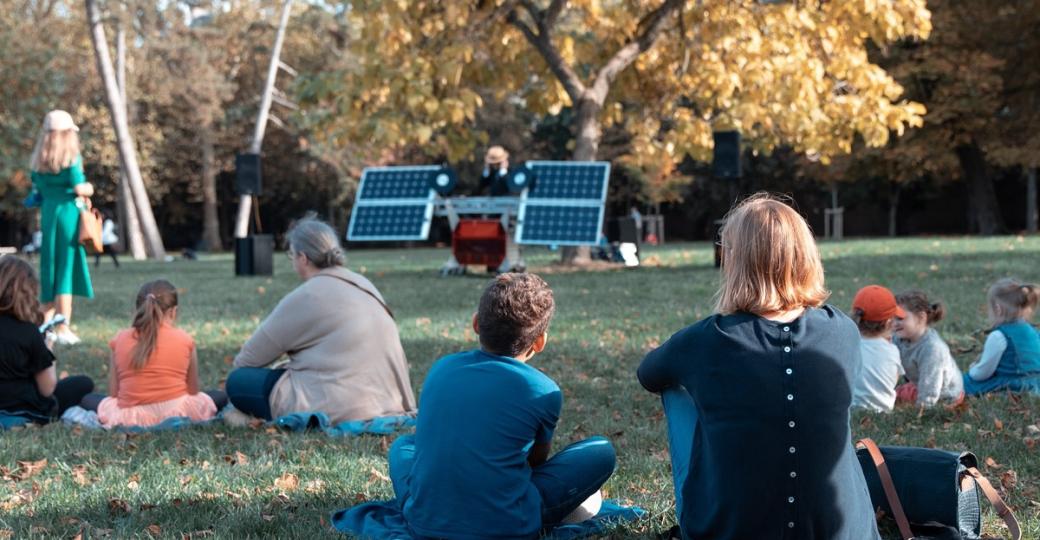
67 338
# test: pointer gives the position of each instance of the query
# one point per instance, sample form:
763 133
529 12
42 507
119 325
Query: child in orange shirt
154 368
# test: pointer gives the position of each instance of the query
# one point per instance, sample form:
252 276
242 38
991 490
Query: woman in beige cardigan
344 354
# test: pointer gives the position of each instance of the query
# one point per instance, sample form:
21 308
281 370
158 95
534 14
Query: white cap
59 120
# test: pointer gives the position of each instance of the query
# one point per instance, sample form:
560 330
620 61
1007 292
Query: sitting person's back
1010 358
344 351
478 466
153 373
874 309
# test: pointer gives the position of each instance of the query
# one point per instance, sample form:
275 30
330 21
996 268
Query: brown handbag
90 222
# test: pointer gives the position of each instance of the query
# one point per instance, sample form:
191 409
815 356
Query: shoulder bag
90 221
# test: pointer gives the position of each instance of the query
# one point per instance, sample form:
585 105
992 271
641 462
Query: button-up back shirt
772 455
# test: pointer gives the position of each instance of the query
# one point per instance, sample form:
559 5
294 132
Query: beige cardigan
345 356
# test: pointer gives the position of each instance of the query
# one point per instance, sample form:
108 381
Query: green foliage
196 483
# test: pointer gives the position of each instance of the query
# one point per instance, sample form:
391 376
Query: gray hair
317 241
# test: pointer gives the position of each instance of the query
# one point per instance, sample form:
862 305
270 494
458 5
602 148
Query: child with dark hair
153 374
29 385
933 374
478 465
1010 358
873 309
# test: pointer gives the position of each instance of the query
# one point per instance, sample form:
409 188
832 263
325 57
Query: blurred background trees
914 120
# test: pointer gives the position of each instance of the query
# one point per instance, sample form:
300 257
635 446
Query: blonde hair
770 260
1010 299
55 150
19 290
153 301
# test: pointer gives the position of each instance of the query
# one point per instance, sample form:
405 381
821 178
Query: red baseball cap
877 303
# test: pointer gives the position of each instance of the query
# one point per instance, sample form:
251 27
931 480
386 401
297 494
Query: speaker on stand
254 254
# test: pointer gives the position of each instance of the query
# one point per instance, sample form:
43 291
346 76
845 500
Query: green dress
63 261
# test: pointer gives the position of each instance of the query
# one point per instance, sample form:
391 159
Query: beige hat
59 120
496 154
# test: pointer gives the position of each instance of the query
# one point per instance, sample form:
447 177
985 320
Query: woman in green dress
57 174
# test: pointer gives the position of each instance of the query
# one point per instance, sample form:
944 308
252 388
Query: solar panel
395 183
565 206
570 180
393 203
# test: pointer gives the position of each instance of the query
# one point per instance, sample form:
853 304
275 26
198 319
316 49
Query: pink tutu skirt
195 406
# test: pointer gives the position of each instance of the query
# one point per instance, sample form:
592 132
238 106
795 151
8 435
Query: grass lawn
224 482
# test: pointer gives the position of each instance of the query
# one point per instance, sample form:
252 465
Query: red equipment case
479 241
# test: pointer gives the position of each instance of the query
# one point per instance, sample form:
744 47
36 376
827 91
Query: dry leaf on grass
287 482
153 530
1009 479
118 506
992 463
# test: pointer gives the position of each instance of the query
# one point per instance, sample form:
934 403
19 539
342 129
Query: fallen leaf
992 463
287 482
118 506
27 469
998 424
374 474
314 486
238 458
79 475
153 530
1009 479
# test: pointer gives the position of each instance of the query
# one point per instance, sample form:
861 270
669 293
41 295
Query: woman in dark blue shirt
757 396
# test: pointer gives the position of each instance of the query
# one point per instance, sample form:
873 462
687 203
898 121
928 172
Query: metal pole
245 202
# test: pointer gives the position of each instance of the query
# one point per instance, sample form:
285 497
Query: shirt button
790 424
790 499
790 397
787 329
790 524
787 349
793 474
789 371
791 449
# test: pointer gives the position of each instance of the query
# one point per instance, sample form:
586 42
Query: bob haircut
770 261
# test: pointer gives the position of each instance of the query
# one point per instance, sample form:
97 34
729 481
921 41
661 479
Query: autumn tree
670 72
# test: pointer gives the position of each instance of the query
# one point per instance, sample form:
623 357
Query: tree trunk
245 202
117 113
1031 215
893 209
983 210
133 240
210 221
587 137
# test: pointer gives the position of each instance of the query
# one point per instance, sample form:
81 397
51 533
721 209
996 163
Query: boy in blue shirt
477 466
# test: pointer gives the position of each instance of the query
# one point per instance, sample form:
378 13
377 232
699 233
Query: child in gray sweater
933 374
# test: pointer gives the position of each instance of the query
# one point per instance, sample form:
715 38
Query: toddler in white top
873 309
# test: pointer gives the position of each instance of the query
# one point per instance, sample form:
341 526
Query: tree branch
653 24
552 13
543 44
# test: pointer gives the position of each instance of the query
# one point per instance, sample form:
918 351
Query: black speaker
520 178
443 181
254 255
623 230
247 174
726 158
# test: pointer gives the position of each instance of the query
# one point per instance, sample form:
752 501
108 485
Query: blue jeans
249 390
564 481
681 415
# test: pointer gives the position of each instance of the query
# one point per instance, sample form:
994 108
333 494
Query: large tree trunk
117 113
245 202
983 210
210 221
133 239
1031 214
587 137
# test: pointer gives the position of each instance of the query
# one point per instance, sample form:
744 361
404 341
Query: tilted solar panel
393 203
395 183
565 206
570 180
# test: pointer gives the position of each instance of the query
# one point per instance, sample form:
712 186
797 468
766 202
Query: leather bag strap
364 290
889 487
999 505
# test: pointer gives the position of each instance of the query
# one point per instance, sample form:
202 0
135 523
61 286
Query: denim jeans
681 415
564 481
249 390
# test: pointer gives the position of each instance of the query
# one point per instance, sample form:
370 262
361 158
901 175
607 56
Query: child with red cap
873 309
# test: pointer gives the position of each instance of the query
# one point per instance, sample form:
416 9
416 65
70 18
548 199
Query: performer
496 172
